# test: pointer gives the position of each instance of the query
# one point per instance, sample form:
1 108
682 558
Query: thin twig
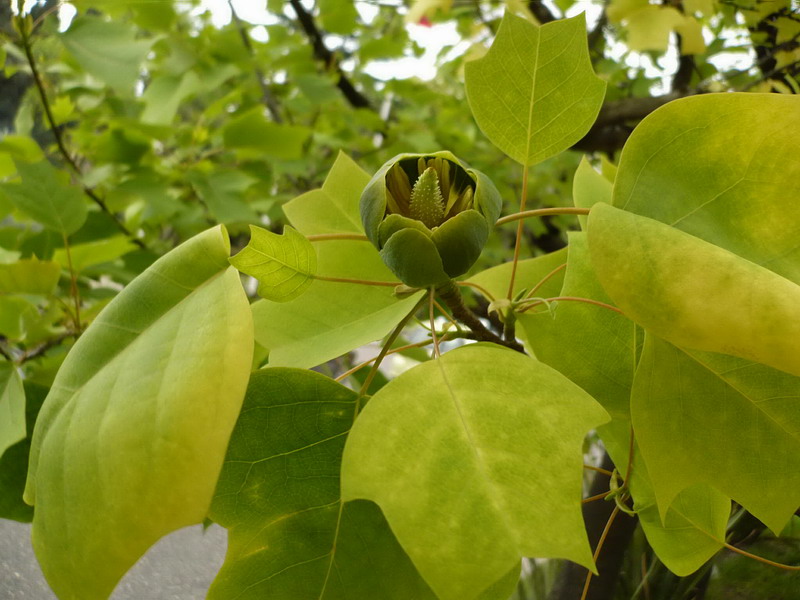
544 280
600 543
385 349
73 286
520 226
761 559
431 296
542 212
593 498
598 470
486 293
538 301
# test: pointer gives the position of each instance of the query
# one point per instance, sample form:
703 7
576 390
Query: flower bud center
426 203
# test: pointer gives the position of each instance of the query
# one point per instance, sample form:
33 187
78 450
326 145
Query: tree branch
323 54
615 122
541 12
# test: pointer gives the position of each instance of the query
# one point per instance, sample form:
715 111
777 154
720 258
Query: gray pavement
180 566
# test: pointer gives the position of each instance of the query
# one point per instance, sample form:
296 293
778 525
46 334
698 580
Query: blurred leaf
29 276
223 192
44 196
284 265
649 27
94 253
163 97
109 50
14 462
338 16
12 406
252 131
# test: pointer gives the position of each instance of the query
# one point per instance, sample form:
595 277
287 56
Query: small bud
429 215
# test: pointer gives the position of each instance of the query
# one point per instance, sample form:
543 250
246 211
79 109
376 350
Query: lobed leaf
45 197
284 265
452 450
741 417
130 441
534 94
290 536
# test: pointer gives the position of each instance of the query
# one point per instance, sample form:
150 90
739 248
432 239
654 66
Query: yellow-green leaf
534 94
130 441
486 416
284 265
695 294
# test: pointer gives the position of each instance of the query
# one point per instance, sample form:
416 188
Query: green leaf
649 27
535 94
692 529
741 417
690 292
94 253
334 207
289 537
14 461
45 196
330 319
130 441
29 276
223 192
588 188
338 16
252 131
109 50
164 95
711 166
12 406
284 265
470 433
597 349
594 346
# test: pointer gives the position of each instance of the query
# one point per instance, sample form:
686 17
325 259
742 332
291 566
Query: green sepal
414 259
394 223
487 201
460 241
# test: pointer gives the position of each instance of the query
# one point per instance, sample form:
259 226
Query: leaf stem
538 301
593 498
761 559
600 543
385 350
598 470
542 212
73 287
39 83
431 296
518 241
544 280
486 294
324 237
356 281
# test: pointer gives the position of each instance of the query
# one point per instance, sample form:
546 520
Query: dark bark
570 581
326 57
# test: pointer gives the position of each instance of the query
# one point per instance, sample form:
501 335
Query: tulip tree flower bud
429 215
